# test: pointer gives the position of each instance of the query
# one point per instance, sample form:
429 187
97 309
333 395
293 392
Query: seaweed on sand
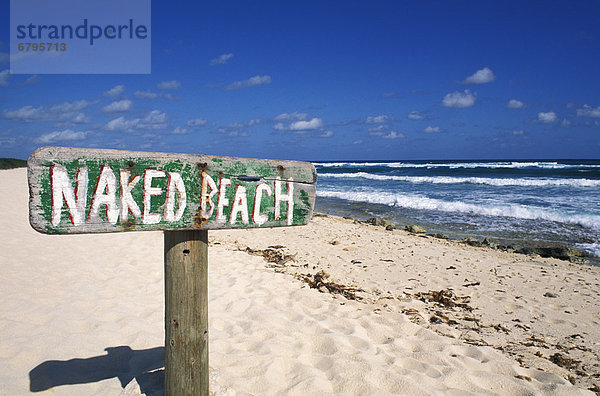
273 255
563 361
445 298
319 281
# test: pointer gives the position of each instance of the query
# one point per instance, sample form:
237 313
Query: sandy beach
334 307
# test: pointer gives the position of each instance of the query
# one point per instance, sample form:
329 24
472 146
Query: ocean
511 202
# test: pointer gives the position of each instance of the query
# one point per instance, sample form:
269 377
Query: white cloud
114 91
315 123
326 134
70 106
431 129
153 120
242 124
80 118
252 81
414 115
547 118
221 60
295 116
59 136
121 124
173 84
515 104
565 123
459 100
237 129
382 131
57 112
231 131
25 114
378 130
357 142
518 132
181 131
145 95
589 111
394 135
118 106
4 76
302 125
380 119
196 122
481 76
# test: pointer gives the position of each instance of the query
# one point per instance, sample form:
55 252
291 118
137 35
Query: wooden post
186 312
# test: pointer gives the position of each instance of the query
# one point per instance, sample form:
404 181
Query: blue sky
332 80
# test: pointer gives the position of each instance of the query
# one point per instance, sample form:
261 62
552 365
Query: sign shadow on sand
121 362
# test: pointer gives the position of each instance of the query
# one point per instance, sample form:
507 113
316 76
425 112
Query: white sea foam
425 203
357 164
457 165
534 182
591 248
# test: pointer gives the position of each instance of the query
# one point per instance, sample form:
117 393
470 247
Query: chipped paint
85 191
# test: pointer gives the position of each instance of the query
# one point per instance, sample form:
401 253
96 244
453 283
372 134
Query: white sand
66 299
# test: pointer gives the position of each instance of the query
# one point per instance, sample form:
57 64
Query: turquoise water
547 201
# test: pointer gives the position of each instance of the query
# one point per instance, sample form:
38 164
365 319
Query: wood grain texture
110 172
186 312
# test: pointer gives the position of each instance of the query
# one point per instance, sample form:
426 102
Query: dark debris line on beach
276 258
319 281
549 250
272 255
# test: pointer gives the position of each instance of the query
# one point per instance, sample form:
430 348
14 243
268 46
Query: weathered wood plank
89 191
186 312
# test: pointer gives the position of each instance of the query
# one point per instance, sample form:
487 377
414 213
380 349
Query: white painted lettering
149 192
62 189
240 205
289 198
257 217
206 198
175 184
127 202
105 193
222 201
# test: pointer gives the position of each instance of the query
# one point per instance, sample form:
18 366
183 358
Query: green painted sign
88 191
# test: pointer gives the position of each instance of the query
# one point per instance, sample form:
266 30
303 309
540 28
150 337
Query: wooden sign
75 191
89 191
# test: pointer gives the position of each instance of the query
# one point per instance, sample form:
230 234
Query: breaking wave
529 182
456 165
424 203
